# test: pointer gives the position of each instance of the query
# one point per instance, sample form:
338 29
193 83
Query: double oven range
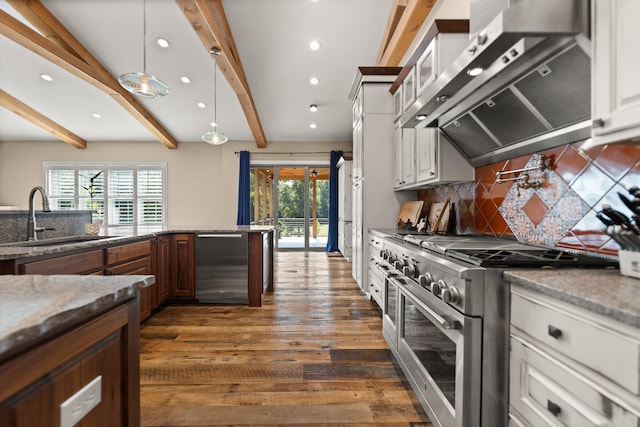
446 318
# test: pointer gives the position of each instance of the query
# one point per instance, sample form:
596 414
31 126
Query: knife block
629 263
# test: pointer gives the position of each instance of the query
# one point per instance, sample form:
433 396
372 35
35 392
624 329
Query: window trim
108 166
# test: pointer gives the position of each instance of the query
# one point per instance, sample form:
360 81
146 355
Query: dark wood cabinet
106 350
260 266
130 259
183 267
162 268
89 262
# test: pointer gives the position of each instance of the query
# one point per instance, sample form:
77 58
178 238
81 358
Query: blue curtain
332 241
244 190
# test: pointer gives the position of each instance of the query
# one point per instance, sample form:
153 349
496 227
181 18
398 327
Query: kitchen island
69 347
169 254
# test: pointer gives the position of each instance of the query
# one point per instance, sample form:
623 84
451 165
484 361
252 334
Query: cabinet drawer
597 347
82 263
546 392
117 254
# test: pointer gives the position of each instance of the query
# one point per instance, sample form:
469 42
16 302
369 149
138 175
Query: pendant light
214 137
141 83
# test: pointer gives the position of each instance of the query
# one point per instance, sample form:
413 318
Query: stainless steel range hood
533 93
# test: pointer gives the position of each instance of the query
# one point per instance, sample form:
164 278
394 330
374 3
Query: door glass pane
261 184
318 207
291 217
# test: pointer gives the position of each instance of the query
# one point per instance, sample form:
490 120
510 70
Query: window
129 197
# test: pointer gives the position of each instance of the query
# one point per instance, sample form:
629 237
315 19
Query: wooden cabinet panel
36 382
82 263
162 269
122 253
260 266
183 266
132 259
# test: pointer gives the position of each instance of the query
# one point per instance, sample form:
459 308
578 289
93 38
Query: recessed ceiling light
421 117
313 107
313 126
185 79
476 71
96 115
201 104
314 45
162 42
46 77
314 80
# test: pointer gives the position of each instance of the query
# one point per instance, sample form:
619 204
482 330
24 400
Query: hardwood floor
313 354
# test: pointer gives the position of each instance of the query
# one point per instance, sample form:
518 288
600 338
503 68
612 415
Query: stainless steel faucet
32 229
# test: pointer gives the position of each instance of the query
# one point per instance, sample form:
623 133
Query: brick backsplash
561 213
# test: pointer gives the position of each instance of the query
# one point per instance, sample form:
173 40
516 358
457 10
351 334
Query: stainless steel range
446 318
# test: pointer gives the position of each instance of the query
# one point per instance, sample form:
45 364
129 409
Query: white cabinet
425 158
615 61
404 140
375 204
569 366
345 183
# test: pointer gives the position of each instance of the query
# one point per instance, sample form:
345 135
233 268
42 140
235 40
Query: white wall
202 180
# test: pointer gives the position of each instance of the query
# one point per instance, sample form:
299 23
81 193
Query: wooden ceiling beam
210 23
23 110
58 35
404 22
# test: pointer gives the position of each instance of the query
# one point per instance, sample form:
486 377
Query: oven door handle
448 324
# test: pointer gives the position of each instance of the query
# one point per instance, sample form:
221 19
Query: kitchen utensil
633 205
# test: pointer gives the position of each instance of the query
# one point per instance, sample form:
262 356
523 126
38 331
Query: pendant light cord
215 84
144 36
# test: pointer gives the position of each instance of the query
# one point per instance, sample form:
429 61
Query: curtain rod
291 153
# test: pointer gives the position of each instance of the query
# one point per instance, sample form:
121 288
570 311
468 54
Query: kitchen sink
56 241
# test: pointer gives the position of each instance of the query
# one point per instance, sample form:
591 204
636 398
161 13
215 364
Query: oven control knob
399 264
438 287
384 254
450 295
409 270
425 280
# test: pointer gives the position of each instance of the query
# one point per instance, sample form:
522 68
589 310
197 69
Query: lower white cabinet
425 158
345 239
570 367
375 277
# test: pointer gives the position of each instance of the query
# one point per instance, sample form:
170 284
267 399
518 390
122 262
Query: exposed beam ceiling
404 22
60 47
10 103
209 21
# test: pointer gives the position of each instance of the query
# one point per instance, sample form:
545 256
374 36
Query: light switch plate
77 406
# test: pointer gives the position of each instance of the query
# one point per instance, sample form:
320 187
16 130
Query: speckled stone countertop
606 292
18 250
33 307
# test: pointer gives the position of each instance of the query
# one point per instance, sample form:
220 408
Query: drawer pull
554 408
554 332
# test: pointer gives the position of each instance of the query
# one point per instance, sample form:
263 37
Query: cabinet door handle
597 123
554 408
554 332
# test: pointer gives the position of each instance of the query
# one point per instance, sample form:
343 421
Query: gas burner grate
530 258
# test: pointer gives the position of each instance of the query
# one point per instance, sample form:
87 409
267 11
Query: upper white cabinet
438 55
615 61
426 158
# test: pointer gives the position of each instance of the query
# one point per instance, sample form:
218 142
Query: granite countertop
606 292
18 250
33 307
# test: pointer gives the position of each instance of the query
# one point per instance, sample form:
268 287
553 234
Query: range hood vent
534 92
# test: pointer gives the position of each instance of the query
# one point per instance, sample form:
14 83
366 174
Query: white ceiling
272 38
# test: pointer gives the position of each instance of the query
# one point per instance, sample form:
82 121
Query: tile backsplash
577 182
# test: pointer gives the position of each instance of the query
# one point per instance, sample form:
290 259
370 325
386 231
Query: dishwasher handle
210 236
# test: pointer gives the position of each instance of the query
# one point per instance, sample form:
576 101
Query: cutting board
410 211
438 218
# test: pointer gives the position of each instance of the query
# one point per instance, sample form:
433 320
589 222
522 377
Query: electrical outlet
79 405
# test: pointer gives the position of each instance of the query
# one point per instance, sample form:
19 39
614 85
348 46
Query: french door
295 199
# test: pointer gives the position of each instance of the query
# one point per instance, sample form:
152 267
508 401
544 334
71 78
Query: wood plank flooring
312 355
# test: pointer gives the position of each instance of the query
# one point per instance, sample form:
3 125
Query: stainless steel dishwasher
222 270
